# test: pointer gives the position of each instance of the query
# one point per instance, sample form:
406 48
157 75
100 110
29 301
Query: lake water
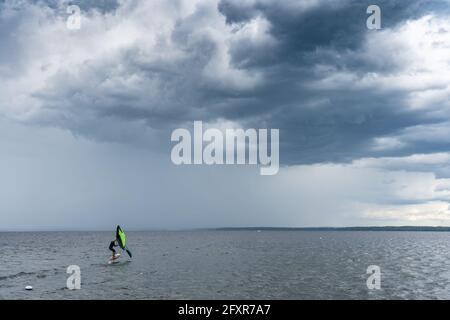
228 265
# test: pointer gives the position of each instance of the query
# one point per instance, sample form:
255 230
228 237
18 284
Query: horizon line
347 228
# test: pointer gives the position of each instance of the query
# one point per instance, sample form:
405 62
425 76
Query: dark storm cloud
379 101
137 70
342 128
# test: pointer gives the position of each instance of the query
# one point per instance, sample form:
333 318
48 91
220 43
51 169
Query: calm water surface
228 265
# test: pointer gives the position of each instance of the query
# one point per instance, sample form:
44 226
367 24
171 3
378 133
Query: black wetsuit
112 245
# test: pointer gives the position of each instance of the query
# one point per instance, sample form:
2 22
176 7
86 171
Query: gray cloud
297 66
367 103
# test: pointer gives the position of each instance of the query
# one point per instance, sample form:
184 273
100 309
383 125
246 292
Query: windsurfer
119 241
113 244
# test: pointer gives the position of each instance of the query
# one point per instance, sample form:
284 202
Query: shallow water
228 265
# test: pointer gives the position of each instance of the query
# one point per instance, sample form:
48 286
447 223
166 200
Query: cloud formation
336 90
341 95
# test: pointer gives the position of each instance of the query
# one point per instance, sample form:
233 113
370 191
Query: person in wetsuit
113 244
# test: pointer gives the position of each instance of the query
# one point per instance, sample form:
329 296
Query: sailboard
114 259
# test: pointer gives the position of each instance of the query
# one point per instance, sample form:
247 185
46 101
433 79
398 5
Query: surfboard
114 259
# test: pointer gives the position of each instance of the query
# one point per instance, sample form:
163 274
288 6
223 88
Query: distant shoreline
385 228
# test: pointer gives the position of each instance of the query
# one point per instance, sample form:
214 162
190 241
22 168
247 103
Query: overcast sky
86 115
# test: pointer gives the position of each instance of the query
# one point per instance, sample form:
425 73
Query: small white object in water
28 288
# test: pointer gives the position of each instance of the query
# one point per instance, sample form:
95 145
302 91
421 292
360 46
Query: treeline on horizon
385 228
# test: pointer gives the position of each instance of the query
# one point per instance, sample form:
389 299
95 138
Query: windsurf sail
122 239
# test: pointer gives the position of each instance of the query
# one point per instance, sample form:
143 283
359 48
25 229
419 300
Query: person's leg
111 247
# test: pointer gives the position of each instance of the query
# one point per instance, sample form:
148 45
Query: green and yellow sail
121 238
